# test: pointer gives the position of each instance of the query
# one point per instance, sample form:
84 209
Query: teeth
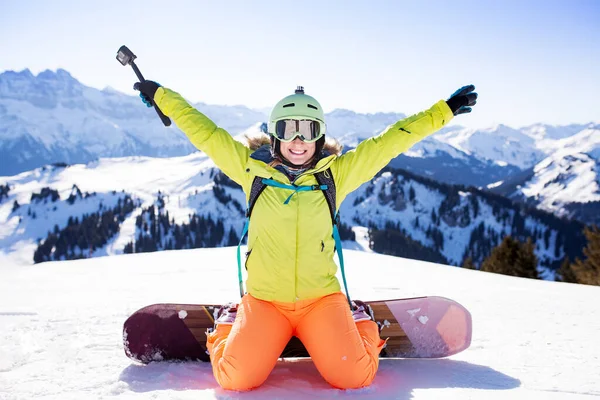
297 152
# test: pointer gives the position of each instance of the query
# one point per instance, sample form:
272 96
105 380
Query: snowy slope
187 185
550 132
185 181
523 147
572 178
502 144
440 161
567 182
466 221
61 332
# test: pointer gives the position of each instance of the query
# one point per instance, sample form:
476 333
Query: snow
61 331
185 182
569 175
64 120
495 184
562 179
431 146
500 142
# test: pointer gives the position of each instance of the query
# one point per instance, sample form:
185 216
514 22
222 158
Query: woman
292 289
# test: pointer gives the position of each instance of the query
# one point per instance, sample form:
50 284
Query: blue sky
531 61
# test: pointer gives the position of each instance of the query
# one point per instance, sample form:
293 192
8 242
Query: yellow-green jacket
291 246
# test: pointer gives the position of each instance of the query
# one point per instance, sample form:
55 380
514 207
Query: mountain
440 161
350 128
566 183
502 144
456 222
431 157
62 323
148 204
523 147
52 118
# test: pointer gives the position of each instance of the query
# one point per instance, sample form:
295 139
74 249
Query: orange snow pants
345 353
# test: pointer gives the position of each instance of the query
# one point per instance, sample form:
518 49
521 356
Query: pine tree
468 264
233 238
565 273
588 270
512 258
411 194
547 238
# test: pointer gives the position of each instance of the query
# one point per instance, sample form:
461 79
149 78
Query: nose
297 140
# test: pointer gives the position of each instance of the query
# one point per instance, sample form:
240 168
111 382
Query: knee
233 376
351 378
355 380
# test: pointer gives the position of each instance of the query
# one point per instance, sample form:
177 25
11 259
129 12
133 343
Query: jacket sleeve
359 165
227 153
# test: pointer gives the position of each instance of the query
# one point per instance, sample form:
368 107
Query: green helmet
297 106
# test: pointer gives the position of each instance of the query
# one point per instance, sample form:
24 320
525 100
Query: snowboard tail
422 327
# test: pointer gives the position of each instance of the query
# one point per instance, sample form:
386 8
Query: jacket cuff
445 110
160 92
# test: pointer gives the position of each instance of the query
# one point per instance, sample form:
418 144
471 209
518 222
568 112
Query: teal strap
239 257
338 248
296 189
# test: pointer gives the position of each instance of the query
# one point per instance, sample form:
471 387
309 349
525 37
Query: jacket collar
263 158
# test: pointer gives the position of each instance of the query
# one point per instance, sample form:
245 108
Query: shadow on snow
396 379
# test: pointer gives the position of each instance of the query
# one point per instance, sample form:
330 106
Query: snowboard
421 327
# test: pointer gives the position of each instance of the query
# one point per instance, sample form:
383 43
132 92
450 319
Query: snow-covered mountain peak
551 132
110 90
586 141
564 178
341 112
47 90
60 75
253 131
498 143
52 117
431 146
351 127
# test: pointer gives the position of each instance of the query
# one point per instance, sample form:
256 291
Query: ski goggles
307 130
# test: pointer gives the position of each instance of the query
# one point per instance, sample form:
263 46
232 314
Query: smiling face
297 152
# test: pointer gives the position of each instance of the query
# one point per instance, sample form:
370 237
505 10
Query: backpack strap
257 188
325 178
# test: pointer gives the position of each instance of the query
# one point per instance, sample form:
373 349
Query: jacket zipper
297 255
297 213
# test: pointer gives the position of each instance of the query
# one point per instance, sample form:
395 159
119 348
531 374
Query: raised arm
227 153
358 166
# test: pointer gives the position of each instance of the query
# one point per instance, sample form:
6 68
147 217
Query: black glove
461 101
147 90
